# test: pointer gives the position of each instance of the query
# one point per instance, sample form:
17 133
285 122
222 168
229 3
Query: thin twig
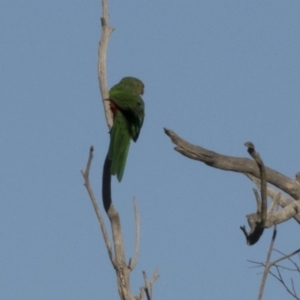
87 184
280 279
146 286
284 257
153 279
293 287
133 262
267 265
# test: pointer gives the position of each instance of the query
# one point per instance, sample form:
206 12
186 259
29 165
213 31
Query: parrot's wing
125 97
131 105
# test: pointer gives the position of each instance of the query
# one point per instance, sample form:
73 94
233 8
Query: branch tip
250 147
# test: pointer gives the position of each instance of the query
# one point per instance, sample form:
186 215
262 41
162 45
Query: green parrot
127 107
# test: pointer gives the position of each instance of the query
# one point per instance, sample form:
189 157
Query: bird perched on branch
127 107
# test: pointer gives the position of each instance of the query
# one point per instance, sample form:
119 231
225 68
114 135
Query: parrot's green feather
128 120
119 146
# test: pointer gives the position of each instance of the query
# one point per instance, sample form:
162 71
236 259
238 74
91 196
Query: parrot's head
135 83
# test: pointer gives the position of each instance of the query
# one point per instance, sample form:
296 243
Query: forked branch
251 169
87 184
118 257
277 274
235 164
257 221
291 208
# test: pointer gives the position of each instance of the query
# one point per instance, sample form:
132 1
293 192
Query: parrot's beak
142 92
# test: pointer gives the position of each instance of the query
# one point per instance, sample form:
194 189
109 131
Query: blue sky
218 73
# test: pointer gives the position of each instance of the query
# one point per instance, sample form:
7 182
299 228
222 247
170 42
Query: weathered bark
291 207
106 31
119 260
235 164
257 220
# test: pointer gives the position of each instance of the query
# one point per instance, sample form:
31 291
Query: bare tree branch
281 280
106 31
235 164
148 287
290 205
122 269
267 269
257 221
287 256
267 265
155 276
118 257
258 202
294 291
119 264
87 184
133 262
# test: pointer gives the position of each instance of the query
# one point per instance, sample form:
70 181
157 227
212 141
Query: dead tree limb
87 184
234 164
267 265
268 269
102 50
117 256
147 289
279 276
291 207
257 220
119 262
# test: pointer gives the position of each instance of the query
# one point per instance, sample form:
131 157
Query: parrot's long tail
119 146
